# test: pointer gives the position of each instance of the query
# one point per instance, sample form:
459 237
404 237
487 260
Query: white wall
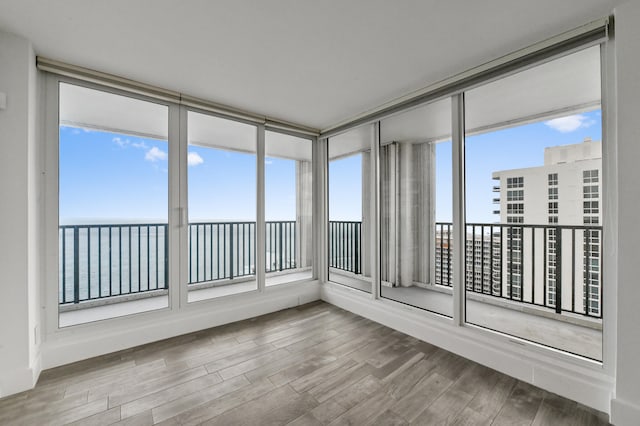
626 405
19 248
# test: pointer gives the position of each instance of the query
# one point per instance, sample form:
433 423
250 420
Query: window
349 215
590 176
505 144
416 230
288 208
113 205
591 207
515 195
515 182
221 190
517 208
590 191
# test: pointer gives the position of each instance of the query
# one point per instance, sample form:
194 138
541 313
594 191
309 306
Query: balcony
116 269
514 274
520 279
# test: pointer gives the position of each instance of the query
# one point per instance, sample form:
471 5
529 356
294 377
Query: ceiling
314 63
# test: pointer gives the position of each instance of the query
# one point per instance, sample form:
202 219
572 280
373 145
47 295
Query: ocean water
119 259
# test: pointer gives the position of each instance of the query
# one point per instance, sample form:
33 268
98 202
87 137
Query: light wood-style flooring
311 365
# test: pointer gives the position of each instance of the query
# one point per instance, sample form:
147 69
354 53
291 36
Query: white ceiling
311 62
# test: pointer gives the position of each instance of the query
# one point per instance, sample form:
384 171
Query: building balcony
509 285
110 270
115 270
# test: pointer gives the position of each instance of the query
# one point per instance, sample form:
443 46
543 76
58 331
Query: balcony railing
101 261
556 267
345 246
532 264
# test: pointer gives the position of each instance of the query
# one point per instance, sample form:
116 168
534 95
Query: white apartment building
562 196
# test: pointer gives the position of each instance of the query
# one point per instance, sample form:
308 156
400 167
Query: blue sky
107 177
511 148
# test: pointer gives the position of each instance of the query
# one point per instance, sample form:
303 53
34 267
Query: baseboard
577 379
17 380
122 333
623 413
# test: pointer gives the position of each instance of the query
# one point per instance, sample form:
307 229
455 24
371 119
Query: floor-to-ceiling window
350 215
288 208
533 256
415 207
113 205
221 232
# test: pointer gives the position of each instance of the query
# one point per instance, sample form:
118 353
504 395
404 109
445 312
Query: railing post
280 240
558 270
76 266
166 257
231 251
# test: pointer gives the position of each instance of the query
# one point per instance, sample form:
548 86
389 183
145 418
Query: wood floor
311 365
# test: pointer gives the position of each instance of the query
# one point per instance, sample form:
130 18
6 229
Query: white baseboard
571 377
16 381
623 413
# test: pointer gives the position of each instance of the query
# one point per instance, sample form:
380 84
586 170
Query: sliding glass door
113 205
221 230
534 205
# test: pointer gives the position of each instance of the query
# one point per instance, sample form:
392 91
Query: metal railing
556 267
98 261
345 246
281 245
101 261
550 266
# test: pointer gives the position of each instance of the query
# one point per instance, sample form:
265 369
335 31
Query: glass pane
534 205
349 213
415 208
113 186
221 247
288 208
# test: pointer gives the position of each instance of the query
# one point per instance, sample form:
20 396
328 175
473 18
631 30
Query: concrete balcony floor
114 310
571 333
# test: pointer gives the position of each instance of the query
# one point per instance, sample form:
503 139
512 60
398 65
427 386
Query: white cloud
155 154
193 159
267 162
139 145
569 123
120 142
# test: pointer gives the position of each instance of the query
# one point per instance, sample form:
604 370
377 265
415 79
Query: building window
517 208
589 191
515 219
591 220
553 193
553 179
590 176
553 219
553 207
515 182
515 195
591 207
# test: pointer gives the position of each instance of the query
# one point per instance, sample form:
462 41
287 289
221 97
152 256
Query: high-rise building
558 200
